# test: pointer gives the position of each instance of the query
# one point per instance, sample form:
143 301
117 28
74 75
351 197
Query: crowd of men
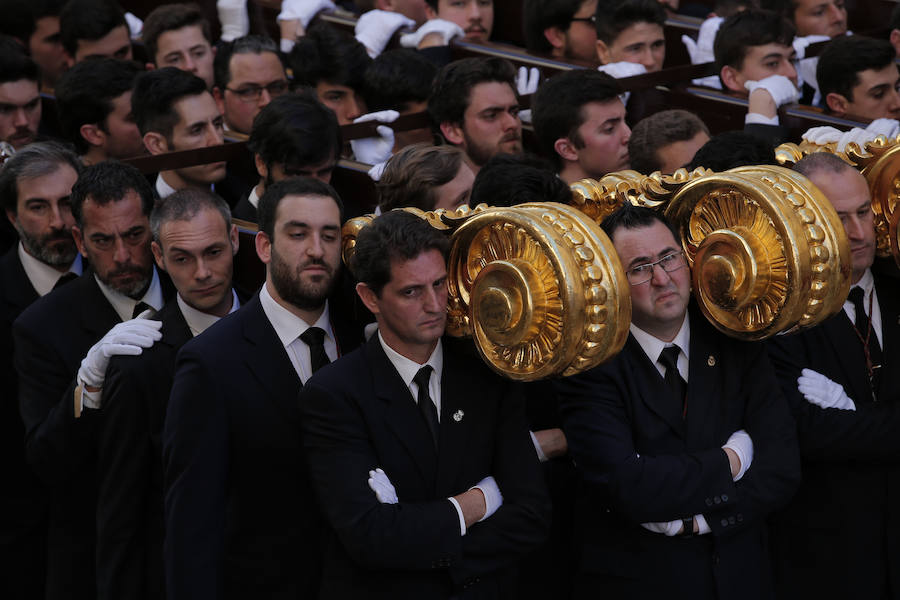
168 433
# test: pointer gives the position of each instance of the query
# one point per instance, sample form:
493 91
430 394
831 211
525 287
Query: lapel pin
711 361
458 415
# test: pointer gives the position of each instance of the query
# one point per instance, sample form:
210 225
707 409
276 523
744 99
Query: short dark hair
557 107
155 94
109 181
397 77
629 216
658 131
295 130
326 54
183 205
294 186
894 22
394 236
746 29
32 161
411 175
842 60
88 20
538 15
171 17
18 20
615 16
510 179
452 88
15 64
733 149
249 44
84 95
820 161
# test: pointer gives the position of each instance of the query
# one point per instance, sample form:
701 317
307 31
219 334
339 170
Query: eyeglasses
592 20
251 93
670 263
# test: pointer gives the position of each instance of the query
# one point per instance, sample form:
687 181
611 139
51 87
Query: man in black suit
241 520
840 536
683 441
62 344
194 242
35 185
456 490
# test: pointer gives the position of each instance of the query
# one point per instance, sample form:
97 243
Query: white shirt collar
867 283
162 188
287 325
408 368
253 198
198 321
42 276
124 306
653 346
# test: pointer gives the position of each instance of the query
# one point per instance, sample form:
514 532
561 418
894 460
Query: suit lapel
19 290
458 409
401 413
97 314
844 343
175 330
652 388
705 400
889 303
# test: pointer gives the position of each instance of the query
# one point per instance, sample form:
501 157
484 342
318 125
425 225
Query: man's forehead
121 214
645 241
311 209
55 184
869 78
491 93
192 34
21 90
199 107
249 67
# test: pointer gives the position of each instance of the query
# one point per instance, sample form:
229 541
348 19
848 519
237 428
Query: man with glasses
683 441
562 28
248 74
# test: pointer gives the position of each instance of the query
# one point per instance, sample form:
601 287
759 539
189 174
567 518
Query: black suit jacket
641 462
241 520
358 415
51 337
244 210
840 536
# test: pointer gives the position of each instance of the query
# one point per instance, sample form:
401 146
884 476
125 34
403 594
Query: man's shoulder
60 308
224 337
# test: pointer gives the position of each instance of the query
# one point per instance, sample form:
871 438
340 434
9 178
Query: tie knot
856 296
313 336
669 356
423 377
139 308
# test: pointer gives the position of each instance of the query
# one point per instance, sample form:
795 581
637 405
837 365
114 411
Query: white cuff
462 519
493 499
757 118
702 525
537 447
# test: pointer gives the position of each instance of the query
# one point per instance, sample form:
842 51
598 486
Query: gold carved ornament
538 287
879 162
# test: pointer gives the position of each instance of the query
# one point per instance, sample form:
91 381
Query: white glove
447 30
623 69
374 150
382 486
856 135
669 528
527 81
375 28
233 17
889 128
493 499
375 174
742 445
823 392
126 338
701 50
822 135
303 10
779 87
802 43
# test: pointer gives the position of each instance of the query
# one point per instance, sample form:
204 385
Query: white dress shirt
42 276
253 198
289 327
867 283
199 321
124 306
162 188
407 369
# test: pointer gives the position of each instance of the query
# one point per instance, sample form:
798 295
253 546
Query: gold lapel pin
458 415
711 361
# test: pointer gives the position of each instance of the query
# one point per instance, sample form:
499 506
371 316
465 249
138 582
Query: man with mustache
241 518
20 98
842 380
62 346
35 185
474 106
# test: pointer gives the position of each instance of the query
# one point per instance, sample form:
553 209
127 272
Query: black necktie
314 337
139 308
669 359
426 406
866 334
65 279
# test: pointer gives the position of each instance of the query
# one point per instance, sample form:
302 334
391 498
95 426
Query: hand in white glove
374 150
375 28
856 135
741 444
889 128
701 51
822 135
493 499
382 486
802 43
779 87
445 29
669 528
527 81
623 69
234 19
823 392
127 338
303 10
